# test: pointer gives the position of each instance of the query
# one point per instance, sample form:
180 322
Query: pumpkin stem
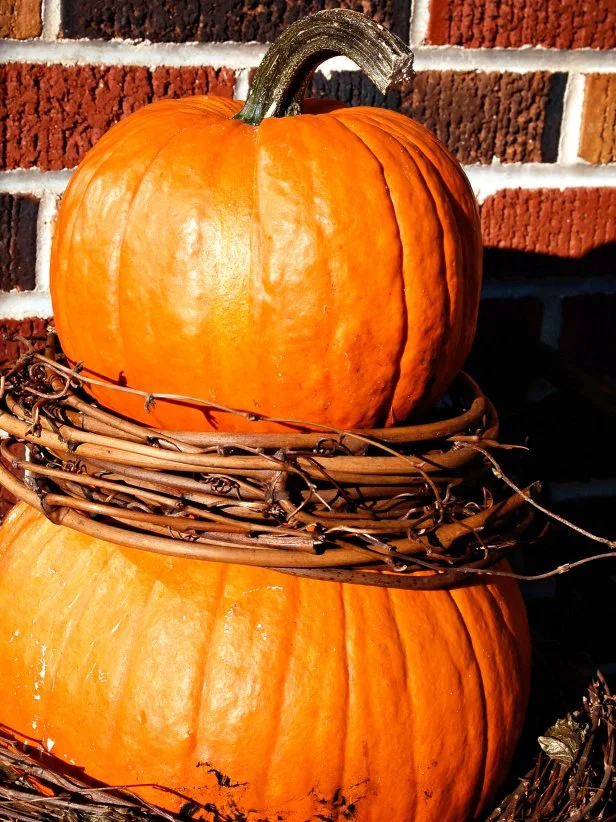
281 80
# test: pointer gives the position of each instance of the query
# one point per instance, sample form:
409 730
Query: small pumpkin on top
323 265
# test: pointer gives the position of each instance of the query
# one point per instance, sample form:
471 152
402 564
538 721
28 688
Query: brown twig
553 791
329 503
500 474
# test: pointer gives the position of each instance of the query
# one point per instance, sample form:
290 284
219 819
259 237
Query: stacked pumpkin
302 260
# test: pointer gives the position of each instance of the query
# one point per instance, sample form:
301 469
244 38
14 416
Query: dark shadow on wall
505 263
504 355
563 403
563 406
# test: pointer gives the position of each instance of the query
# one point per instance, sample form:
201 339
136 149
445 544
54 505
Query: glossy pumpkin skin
325 266
142 668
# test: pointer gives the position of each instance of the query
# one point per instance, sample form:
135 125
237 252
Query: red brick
352 88
563 24
598 136
54 114
514 117
20 19
204 21
17 242
481 116
587 337
33 328
547 232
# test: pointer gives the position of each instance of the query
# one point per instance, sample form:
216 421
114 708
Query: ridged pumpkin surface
310 696
325 267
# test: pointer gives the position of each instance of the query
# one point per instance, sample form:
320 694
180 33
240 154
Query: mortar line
420 18
571 123
242 84
51 13
551 321
248 55
548 288
33 181
485 179
44 234
591 488
19 305
488 179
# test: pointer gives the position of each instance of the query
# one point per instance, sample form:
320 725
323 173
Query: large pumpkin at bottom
311 697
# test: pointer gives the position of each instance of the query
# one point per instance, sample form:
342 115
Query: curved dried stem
279 84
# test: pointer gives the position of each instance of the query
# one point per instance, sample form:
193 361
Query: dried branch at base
35 785
372 507
577 781
420 506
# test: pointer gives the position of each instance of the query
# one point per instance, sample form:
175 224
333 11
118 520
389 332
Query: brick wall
523 93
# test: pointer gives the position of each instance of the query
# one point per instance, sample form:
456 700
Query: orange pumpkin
311 697
325 265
